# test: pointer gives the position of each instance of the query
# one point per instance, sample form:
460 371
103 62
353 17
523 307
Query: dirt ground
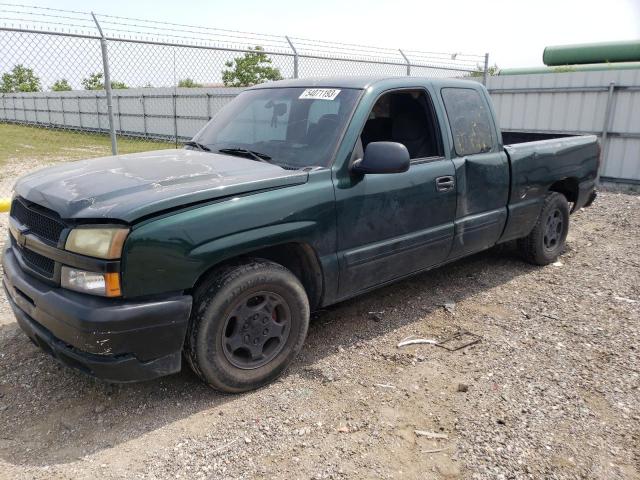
552 389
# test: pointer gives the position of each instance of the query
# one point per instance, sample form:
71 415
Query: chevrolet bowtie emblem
22 239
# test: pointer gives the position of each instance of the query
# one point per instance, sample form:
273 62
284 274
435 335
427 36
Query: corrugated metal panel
137 111
576 102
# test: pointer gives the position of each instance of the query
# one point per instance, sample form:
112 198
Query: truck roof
363 82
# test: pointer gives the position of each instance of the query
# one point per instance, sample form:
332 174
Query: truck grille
39 263
43 223
40 221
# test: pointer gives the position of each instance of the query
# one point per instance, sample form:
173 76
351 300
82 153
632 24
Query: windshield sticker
319 94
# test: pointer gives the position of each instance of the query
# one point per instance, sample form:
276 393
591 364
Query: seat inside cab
407 117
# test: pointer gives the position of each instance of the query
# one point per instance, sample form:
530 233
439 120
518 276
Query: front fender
170 254
242 243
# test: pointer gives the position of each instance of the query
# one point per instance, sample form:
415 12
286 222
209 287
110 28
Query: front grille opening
43 265
36 262
40 221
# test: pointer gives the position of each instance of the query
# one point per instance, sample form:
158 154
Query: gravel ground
551 390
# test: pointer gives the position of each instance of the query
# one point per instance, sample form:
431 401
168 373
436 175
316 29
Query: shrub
95 82
61 85
188 83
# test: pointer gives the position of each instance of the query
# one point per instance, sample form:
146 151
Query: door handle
445 184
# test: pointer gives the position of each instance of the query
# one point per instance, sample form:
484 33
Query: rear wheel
547 239
248 323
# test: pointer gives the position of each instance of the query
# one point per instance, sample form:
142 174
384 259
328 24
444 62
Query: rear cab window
469 119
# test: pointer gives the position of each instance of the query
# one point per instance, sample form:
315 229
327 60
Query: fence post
107 87
407 61
46 99
144 116
119 115
175 117
486 69
98 112
79 113
295 57
35 108
64 118
605 130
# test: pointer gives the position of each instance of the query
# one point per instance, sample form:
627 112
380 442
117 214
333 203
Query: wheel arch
569 187
298 257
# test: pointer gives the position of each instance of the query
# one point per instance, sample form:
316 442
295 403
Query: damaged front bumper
113 339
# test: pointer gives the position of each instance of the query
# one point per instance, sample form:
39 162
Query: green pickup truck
297 195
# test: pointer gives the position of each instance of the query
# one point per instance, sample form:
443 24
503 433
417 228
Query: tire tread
204 294
530 246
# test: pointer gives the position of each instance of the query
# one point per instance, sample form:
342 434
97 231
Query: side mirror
383 157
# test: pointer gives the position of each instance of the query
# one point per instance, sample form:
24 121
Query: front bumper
113 339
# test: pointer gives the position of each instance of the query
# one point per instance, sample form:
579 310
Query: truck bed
568 164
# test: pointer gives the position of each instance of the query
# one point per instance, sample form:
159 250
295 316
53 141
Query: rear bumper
586 195
591 199
113 339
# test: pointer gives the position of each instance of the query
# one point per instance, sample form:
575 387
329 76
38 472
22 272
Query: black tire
233 310
547 239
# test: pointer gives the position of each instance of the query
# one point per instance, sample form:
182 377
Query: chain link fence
166 80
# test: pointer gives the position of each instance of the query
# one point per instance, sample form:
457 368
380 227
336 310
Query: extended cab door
481 170
391 225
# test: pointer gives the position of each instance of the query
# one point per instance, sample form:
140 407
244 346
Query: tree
188 83
61 85
252 68
479 71
95 82
21 79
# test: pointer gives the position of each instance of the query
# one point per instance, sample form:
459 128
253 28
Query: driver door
393 225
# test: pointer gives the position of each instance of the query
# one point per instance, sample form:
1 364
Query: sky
513 32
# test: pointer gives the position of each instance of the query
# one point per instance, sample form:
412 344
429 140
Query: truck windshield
289 127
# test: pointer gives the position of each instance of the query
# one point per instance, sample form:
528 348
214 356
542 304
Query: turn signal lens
94 283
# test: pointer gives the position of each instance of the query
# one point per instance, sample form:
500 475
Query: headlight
97 242
104 284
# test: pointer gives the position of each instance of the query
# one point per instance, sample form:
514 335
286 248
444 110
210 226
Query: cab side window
469 120
407 117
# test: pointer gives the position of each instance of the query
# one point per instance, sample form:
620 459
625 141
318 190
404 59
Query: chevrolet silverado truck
298 194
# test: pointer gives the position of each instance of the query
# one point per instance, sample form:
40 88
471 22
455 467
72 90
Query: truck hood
127 187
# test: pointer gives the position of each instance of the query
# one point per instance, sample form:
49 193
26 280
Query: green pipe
625 51
570 68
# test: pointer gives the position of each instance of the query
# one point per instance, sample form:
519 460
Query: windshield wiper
198 145
260 157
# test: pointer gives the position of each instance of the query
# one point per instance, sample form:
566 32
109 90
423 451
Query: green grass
20 142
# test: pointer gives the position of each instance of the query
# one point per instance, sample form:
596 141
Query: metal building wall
576 103
153 113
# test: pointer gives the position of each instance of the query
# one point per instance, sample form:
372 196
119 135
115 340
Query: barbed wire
167 80
32 17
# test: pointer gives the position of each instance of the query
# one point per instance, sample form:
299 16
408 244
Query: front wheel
547 239
248 323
